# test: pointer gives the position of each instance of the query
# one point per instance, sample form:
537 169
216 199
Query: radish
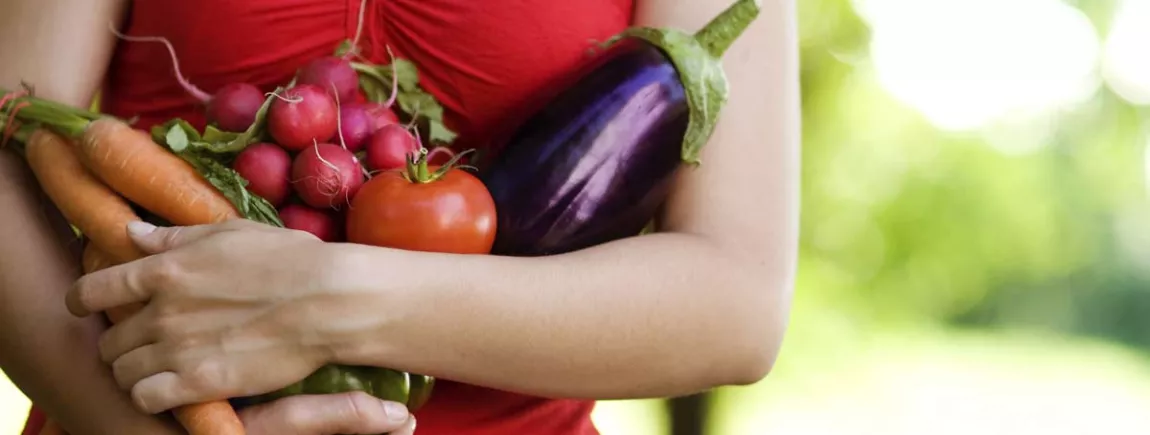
330 71
267 168
233 108
326 176
390 148
320 223
303 116
381 115
355 126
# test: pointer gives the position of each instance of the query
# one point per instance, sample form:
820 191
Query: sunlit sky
969 64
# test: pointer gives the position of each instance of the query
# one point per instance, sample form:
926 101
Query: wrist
360 301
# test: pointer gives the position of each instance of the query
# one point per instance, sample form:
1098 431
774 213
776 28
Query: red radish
233 107
321 223
355 126
301 117
326 176
328 71
439 156
390 148
267 168
381 115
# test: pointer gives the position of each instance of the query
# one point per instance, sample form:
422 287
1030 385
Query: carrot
92 207
103 217
131 163
208 418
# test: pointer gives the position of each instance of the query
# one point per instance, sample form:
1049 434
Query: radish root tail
338 117
196 92
333 183
292 100
358 31
394 80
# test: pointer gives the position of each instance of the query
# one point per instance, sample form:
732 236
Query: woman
528 344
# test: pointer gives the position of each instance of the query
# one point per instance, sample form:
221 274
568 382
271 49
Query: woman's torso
484 60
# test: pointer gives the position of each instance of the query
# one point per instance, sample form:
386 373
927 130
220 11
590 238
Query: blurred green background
976 228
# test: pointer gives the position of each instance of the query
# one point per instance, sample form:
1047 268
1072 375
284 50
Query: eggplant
597 162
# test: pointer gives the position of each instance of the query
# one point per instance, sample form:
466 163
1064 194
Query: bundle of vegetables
83 176
302 160
596 163
592 166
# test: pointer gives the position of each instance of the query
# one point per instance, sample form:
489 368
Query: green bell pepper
407 388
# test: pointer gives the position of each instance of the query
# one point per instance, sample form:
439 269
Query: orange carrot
131 163
209 418
103 217
84 201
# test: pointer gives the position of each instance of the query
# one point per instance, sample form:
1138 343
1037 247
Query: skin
62 48
609 322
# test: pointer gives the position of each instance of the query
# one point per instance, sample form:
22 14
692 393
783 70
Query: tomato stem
419 172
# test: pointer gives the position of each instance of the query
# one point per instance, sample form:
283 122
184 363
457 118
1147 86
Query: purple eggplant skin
597 162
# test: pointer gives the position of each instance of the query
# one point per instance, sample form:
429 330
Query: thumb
154 240
326 414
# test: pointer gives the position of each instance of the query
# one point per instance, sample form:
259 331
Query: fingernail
395 412
140 228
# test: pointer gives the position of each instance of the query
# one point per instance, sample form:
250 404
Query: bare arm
61 48
703 303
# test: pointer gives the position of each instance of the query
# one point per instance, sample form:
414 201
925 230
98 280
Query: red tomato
454 213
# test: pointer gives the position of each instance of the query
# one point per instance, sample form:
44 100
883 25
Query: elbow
756 356
755 365
756 333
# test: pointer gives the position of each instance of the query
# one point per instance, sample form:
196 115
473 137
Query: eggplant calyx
419 172
698 60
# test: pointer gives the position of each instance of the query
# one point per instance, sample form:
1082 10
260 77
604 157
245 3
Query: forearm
48 353
701 304
658 315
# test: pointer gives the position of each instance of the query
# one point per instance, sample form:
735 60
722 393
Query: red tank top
484 60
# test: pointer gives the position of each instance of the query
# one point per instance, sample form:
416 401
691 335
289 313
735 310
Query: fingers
165 390
138 364
407 429
110 288
154 240
162 392
134 282
328 414
130 333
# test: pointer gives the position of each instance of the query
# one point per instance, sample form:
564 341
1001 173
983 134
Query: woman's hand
225 312
328 414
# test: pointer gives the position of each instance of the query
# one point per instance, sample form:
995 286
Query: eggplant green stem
716 37
698 59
